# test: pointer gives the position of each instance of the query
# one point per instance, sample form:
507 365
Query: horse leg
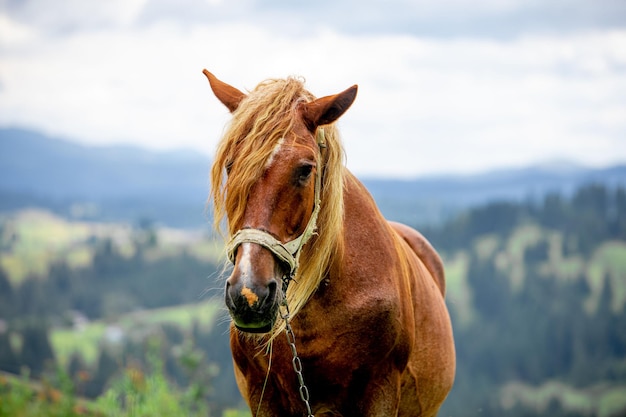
380 397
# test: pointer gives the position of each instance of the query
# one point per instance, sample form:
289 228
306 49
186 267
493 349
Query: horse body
374 337
370 333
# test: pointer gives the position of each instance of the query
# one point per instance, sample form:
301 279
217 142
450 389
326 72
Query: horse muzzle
253 308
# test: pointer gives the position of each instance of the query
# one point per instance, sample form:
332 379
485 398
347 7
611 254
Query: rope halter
289 252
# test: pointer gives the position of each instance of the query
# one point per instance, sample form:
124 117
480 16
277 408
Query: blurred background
496 127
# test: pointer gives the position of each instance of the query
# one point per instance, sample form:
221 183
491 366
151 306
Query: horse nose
252 307
253 296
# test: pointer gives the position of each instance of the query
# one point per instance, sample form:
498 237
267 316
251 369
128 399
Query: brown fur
373 333
424 250
247 145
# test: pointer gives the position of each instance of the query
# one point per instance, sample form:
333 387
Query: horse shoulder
425 251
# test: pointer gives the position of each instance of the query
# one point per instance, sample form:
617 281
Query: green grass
209 250
523 237
183 316
51 397
602 400
87 340
608 262
134 394
486 246
32 240
138 394
612 402
559 266
458 293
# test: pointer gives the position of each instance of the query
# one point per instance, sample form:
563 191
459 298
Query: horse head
273 161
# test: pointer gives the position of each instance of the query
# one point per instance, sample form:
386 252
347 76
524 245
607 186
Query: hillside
50 167
124 183
436 199
538 301
103 183
536 293
96 275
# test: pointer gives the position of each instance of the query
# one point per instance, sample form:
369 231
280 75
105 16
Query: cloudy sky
445 86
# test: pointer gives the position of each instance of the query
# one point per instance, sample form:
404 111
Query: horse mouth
252 321
260 326
254 329
253 310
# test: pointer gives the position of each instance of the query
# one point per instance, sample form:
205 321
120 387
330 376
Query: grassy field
603 400
457 289
608 262
87 339
32 240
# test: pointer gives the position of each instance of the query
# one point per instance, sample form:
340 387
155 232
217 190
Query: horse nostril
227 295
271 288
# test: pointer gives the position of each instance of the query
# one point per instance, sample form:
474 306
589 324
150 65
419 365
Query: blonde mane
267 114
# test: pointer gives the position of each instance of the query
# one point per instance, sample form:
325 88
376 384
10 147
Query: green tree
7 309
36 352
106 367
9 361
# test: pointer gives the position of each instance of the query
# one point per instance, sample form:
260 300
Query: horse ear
327 109
227 94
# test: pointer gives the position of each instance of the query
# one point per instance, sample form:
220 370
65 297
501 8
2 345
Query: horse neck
359 206
377 250
365 229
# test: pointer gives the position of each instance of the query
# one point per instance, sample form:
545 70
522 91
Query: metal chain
297 364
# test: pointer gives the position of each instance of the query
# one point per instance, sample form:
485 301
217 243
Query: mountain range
134 184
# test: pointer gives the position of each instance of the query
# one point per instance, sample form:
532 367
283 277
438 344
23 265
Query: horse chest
346 339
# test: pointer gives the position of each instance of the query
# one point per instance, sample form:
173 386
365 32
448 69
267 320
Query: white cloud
75 15
425 105
13 33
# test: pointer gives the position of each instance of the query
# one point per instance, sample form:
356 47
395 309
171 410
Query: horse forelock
260 122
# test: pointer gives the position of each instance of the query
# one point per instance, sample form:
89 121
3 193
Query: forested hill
124 183
101 183
536 292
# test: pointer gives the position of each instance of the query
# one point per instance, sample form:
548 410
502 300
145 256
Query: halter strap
289 252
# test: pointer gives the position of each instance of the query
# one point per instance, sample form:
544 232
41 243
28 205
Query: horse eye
303 173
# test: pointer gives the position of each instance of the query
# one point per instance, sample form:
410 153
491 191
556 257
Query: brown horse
313 256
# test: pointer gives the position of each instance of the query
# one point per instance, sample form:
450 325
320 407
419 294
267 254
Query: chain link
296 362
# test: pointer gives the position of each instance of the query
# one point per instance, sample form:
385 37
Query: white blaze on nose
245 263
275 151
245 268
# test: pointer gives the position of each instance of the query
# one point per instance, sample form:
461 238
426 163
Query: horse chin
262 327
250 322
